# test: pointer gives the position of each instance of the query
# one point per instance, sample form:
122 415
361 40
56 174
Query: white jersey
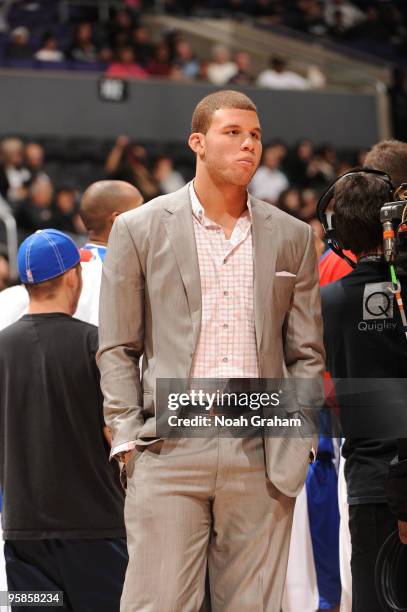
92 257
14 300
13 304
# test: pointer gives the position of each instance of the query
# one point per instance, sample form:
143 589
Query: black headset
327 197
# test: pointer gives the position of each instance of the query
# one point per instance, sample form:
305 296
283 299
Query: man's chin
241 179
243 182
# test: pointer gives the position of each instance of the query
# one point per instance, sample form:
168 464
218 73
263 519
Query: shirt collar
198 210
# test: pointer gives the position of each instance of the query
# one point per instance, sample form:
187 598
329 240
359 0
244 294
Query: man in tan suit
208 282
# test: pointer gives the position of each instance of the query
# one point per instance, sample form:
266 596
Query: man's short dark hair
48 289
203 113
357 204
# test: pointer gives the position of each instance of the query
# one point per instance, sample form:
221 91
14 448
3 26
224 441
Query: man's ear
71 276
111 219
197 143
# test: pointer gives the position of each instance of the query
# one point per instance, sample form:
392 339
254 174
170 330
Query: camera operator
364 338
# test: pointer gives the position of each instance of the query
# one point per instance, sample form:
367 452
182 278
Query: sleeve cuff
123 448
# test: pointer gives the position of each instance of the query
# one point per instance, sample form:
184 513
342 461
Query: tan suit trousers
192 502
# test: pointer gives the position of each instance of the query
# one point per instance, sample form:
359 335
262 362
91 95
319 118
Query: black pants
89 572
369 525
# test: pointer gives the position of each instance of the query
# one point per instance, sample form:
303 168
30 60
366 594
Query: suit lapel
180 232
264 258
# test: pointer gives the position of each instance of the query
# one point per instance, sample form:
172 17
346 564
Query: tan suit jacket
150 305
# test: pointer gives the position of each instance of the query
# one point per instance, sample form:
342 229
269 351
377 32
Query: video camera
393 217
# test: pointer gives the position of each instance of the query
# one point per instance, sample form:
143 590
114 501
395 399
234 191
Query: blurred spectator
315 77
269 181
171 39
120 28
203 71
142 44
127 162
4 272
19 47
338 29
221 69
176 73
105 55
126 66
83 48
49 51
312 21
309 204
185 60
34 160
15 175
350 15
297 163
322 167
278 77
329 154
121 40
160 64
37 211
290 201
328 161
318 236
396 24
243 75
66 215
168 179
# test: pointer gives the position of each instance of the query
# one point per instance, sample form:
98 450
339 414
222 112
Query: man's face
34 156
42 193
271 158
231 148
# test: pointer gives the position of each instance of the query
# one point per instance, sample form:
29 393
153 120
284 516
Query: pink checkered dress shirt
227 342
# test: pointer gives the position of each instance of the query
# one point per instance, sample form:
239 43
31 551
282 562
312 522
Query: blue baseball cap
45 255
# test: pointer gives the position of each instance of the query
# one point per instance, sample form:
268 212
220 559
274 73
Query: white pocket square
284 273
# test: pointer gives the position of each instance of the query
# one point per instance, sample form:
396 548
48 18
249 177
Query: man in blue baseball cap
46 255
63 505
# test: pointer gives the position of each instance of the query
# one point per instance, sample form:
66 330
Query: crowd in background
124 47
376 26
39 196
